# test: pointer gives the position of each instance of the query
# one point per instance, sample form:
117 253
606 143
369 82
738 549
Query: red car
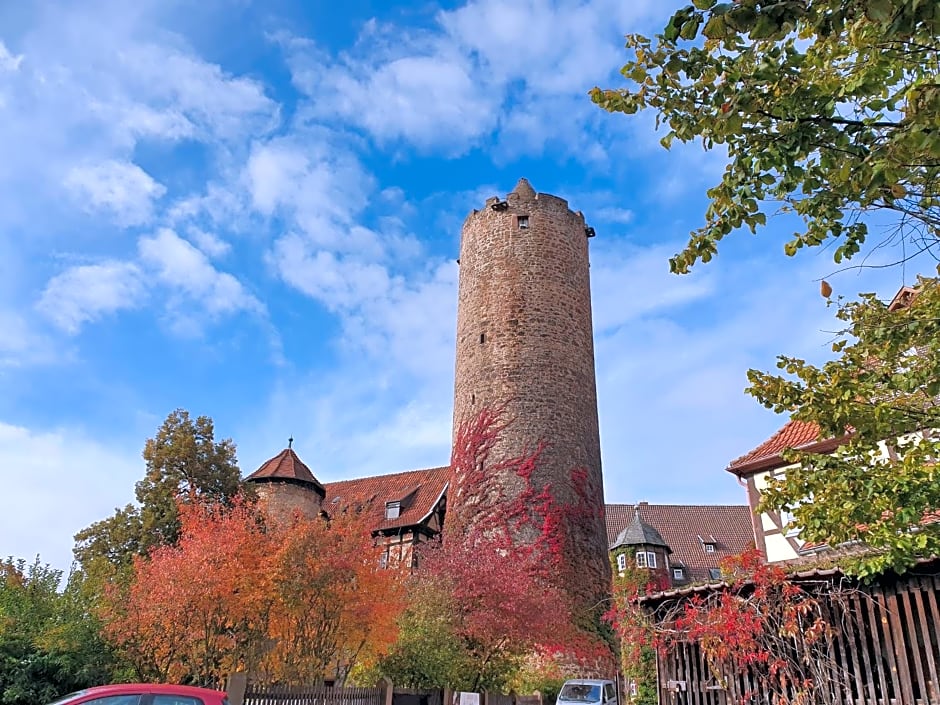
144 694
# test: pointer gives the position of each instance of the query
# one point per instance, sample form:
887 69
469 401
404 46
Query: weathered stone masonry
524 339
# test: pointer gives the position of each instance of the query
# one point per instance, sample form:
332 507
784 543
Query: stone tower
286 488
525 340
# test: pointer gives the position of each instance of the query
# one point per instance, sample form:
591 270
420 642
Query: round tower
525 344
286 488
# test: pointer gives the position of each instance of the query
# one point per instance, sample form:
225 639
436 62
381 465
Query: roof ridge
387 476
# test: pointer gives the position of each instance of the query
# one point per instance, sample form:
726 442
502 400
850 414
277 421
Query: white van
588 691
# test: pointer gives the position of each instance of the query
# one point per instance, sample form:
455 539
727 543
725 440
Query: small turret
286 487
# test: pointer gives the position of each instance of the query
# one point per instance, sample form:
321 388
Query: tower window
473 399
482 338
522 221
645 559
622 562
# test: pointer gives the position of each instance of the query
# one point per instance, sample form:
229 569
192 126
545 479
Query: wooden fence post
388 689
235 687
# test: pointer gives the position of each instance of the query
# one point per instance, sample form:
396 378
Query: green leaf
878 10
690 29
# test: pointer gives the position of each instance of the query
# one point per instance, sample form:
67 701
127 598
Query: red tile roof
795 434
286 466
728 527
417 490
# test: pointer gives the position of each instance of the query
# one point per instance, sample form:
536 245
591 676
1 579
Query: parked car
144 694
588 691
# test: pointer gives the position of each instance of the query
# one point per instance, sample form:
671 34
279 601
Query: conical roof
639 533
524 189
286 466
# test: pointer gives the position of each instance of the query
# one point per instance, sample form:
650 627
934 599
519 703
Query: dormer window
392 510
678 574
708 543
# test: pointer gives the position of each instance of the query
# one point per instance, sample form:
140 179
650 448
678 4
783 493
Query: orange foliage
285 601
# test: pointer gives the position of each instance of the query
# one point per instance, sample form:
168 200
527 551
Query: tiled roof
417 490
685 528
286 466
795 434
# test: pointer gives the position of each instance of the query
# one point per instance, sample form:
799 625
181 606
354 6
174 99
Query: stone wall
281 499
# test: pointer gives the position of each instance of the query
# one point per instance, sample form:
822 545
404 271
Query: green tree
184 463
881 488
429 652
828 108
50 643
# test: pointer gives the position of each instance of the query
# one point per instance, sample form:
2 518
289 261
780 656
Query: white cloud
183 268
520 71
85 293
9 62
64 482
119 188
621 216
209 243
313 179
89 92
630 281
338 282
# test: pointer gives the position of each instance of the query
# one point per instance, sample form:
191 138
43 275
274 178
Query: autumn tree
292 602
333 607
184 462
191 611
828 110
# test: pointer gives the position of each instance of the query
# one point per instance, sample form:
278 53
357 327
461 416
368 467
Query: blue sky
252 210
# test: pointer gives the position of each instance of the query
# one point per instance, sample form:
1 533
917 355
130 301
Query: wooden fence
885 651
257 694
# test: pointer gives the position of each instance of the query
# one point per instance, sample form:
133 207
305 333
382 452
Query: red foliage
507 553
285 600
761 622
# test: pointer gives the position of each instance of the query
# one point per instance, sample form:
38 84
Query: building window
678 574
645 559
522 221
392 510
714 573
383 560
709 548
622 562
